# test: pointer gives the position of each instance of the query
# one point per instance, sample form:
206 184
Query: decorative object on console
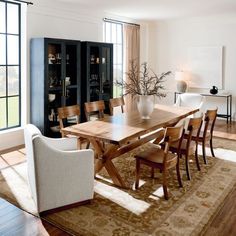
181 84
214 90
51 97
143 82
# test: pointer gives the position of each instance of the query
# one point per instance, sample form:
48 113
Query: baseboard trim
12 149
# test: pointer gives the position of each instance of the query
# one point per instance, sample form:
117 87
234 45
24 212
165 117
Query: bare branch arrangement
143 82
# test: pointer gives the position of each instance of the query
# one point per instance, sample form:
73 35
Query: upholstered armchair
59 174
191 100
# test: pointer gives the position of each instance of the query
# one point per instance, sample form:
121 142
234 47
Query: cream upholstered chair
58 173
193 100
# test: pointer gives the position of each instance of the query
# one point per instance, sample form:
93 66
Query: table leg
227 109
104 160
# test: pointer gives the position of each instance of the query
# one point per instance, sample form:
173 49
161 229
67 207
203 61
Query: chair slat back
194 125
66 112
92 108
209 120
116 102
194 128
173 134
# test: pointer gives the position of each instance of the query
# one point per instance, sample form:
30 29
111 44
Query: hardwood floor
224 222
14 221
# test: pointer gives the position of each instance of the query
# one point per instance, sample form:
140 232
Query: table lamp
181 84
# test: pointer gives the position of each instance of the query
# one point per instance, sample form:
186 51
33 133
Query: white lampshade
179 75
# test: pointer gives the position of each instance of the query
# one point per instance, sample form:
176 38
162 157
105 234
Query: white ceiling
157 9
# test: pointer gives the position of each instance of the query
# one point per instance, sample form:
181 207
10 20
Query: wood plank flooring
14 221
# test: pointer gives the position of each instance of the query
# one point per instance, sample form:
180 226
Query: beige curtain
131 52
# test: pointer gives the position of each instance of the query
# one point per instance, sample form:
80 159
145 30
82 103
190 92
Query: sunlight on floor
16 183
224 154
156 195
221 134
121 198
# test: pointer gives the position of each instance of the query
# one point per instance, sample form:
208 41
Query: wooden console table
228 98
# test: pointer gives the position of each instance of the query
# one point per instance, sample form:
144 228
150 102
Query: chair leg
178 173
137 173
152 172
204 151
164 174
211 146
196 158
88 145
187 166
79 144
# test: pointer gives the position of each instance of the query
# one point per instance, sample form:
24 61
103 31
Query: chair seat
208 136
155 155
191 150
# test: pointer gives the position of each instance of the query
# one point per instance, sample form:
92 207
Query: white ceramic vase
145 106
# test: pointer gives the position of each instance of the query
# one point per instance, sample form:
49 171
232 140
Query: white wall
44 19
170 40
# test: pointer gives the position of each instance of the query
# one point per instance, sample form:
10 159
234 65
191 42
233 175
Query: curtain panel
131 36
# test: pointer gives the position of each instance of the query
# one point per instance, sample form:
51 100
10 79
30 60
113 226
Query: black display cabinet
55 80
97 72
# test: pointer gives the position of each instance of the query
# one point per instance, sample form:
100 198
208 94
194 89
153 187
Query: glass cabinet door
70 83
94 73
54 79
106 77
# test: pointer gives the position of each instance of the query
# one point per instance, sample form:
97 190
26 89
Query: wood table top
121 128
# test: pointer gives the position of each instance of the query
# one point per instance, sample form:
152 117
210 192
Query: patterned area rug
116 211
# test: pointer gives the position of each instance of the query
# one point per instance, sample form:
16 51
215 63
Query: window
113 33
10 64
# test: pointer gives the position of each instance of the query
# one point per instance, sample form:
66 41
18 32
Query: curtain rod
26 2
118 21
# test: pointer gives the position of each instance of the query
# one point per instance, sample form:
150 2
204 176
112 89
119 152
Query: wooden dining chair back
70 115
67 116
116 102
188 146
207 133
163 159
94 109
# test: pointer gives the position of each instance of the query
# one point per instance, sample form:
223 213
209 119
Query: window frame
115 44
7 65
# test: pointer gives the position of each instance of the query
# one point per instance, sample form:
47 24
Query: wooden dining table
113 136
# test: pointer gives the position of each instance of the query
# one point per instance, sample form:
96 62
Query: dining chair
94 110
188 146
206 133
70 115
163 159
116 102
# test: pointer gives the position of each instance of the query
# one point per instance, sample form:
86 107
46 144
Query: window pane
119 54
12 19
13 80
13 111
108 32
12 50
3 116
2 81
119 33
2 49
2 18
113 33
